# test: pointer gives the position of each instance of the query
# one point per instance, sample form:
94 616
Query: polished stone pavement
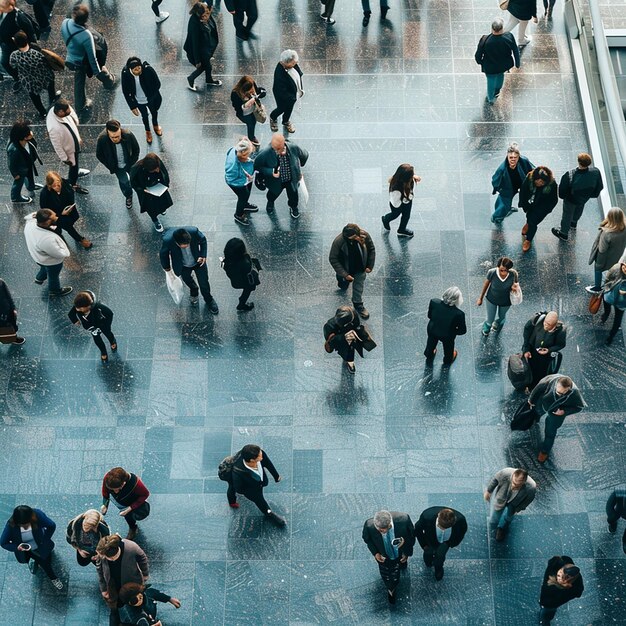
187 388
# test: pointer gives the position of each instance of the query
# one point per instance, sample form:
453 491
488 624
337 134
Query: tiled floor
187 388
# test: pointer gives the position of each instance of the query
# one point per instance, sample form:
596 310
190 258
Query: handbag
260 112
595 302
364 335
8 334
55 62
504 5
303 192
524 417
517 296
174 286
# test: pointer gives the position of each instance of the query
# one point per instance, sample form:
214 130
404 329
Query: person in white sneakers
160 16
521 12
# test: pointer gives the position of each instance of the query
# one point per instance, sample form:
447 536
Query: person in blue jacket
239 174
507 181
28 534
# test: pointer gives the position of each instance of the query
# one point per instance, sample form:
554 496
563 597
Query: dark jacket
146 613
543 397
134 568
501 181
243 480
171 255
553 596
140 179
334 336
523 9
283 88
7 306
74 529
243 273
540 205
578 185
237 101
445 321
202 39
150 83
616 504
338 256
497 54
554 341
106 152
50 199
402 527
12 22
12 537
100 316
426 534
267 159
20 161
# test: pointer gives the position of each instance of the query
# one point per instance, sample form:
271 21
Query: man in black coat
287 88
249 476
446 322
239 10
544 335
437 530
496 53
13 20
389 537
117 149
616 508
201 43
183 252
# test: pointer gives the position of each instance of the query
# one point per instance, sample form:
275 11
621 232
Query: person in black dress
8 316
242 270
58 196
244 96
201 43
446 321
96 318
562 582
146 173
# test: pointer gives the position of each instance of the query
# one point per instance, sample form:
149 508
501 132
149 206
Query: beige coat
60 135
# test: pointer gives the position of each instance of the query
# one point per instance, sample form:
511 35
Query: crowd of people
121 564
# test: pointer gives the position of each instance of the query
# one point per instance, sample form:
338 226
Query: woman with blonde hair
84 533
244 97
239 174
401 186
608 246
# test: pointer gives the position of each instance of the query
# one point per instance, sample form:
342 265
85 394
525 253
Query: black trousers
404 210
257 498
617 320
108 333
155 6
202 274
72 174
205 66
250 9
292 195
284 108
243 195
613 517
245 294
4 60
36 98
143 109
448 347
137 515
436 555
539 364
390 573
45 564
250 122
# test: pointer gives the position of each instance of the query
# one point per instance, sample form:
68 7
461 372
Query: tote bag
303 192
174 286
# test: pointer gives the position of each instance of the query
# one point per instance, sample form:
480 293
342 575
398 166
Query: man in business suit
438 529
446 321
183 252
389 537
249 476
616 508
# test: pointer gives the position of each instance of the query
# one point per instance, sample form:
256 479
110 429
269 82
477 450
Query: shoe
329 21
114 347
454 355
526 245
438 573
573 225
255 142
234 505
149 137
19 341
23 200
88 105
270 207
163 15
383 13
524 230
86 244
391 597
592 289
366 18
38 186
64 291
158 226
294 212
496 220
609 341
57 583
132 533
104 357
542 457
214 83
605 316
496 93
273 125
406 233
289 127
251 208
32 566
557 233
486 329
129 202
276 519
81 190
248 306
193 300
496 327
190 85
524 42
83 172
242 219
213 306
158 130
500 534
351 367
39 282
361 310
612 527
385 222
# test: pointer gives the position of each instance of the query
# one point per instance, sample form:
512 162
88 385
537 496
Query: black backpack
225 468
518 371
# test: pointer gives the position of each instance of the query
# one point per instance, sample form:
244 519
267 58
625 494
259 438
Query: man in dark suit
438 529
616 508
446 322
389 537
183 252
249 476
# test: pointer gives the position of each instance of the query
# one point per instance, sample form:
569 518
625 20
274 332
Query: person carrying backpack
13 20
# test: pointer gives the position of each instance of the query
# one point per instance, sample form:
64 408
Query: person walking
446 322
548 6
608 247
326 12
96 318
184 252
8 317
129 495
58 196
141 87
401 186
556 396
22 156
243 11
562 582
287 89
616 509
280 166
575 189
544 336
84 533
33 72
496 54
42 9
507 181
201 42
28 534
148 176
352 256
343 334
159 16
246 98
243 271
12 21
389 537
86 55
521 12
510 491
249 477
615 296
437 530
140 604
62 124
118 150
500 282
120 561
47 248
537 197
367 11
239 175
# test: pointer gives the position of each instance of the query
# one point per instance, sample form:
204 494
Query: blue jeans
51 272
492 310
502 207
16 187
546 615
124 181
597 278
502 517
494 84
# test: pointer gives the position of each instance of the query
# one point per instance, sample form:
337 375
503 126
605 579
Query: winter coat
45 246
60 131
607 248
106 152
338 256
202 39
150 83
501 181
540 204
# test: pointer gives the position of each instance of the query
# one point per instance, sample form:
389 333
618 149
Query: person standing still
446 323
544 336
562 582
239 174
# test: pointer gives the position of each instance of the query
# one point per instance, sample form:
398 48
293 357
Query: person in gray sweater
608 246
510 491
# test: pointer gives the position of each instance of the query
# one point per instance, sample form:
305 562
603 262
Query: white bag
174 286
516 296
303 192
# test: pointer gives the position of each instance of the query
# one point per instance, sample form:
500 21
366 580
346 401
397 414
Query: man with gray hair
287 89
389 537
446 322
496 53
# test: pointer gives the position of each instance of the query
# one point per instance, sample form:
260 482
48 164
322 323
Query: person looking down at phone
94 317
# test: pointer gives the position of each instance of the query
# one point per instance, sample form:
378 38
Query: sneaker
592 289
573 225
242 219
524 42
486 329
270 207
38 186
57 583
255 142
251 208
612 527
294 212
129 202
248 306
158 226
88 105
329 20
19 341
289 127
214 83
276 519
497 327
82 171
64 291
273 125
557 233
132 533
350 366
213 306
33 566
39 282
385 222
193 300
163 15
190 85
81 190
361 310
23 200
406 233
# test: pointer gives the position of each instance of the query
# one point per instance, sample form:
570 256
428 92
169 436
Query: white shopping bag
303 192
174 286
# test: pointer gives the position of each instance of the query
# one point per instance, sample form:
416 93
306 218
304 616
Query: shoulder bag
524 417
595 302
259 112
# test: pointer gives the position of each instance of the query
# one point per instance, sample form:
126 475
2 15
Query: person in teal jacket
507 181
239 174
615 296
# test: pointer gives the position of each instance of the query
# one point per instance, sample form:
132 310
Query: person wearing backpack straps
13 20
544 335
